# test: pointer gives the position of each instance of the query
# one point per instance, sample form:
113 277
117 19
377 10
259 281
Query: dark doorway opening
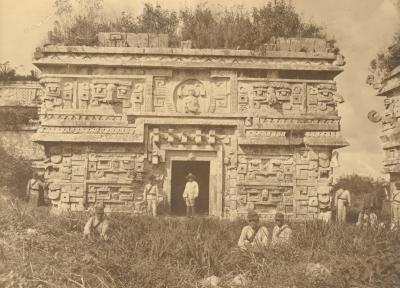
180 169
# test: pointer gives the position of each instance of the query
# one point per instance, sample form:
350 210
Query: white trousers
341 211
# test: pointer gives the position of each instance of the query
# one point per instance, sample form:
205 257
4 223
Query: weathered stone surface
15 138
20 94
390 136
125 113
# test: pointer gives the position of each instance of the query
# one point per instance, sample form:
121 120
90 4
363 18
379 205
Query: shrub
13 117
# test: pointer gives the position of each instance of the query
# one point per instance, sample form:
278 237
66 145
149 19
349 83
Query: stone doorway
201 169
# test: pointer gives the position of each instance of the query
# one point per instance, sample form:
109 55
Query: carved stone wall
389 88
126 113
81 175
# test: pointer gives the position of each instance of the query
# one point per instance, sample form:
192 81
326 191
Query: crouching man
97 225
282 234
253 235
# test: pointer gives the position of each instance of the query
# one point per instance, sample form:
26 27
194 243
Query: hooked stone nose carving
374 116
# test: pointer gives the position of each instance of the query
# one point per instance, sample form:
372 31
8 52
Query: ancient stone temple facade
257 130
389 88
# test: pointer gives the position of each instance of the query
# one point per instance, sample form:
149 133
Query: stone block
64 197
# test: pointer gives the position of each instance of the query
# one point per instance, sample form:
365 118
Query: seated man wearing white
253 235
282 234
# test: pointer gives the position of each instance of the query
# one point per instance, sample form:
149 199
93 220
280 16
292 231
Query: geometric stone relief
391 113
270 96
138 96
87 130
52 93
220 97
322 98
91 93
287 98
117 175
161 102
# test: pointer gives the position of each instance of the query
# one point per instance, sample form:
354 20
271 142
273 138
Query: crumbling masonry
266 124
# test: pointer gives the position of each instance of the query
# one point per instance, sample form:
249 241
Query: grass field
178 252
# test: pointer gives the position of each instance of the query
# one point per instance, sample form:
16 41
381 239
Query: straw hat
190 175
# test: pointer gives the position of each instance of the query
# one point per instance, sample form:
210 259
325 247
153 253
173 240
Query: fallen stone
31 231
211 281
239 281
317 270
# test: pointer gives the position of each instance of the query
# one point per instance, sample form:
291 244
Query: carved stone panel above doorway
191 97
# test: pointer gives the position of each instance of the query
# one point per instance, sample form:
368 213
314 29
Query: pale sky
362 29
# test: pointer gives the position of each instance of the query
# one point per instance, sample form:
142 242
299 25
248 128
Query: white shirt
94 226
343 195
281 235
150 192
191 190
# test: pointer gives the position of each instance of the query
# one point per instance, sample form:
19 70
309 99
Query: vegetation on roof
386 61
230 28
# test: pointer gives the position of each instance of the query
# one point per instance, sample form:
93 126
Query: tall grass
178 252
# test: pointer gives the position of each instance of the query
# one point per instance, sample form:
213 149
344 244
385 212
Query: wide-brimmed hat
252 215
279 216
190 175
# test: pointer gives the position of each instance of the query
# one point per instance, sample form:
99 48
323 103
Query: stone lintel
187 121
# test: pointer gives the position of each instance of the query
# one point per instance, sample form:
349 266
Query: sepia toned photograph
200 144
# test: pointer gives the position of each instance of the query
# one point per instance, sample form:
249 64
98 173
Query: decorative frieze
268 141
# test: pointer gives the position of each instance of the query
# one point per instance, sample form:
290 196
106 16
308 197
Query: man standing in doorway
190 194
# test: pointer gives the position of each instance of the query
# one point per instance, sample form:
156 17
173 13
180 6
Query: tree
6 72
77 26
237 28
157 20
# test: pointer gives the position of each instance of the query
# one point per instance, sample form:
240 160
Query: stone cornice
187 58
185 52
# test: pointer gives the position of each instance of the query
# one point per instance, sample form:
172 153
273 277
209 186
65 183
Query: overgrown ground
171 252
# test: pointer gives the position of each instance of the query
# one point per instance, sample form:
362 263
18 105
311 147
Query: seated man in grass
97 225
367 218
253 235
282 234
